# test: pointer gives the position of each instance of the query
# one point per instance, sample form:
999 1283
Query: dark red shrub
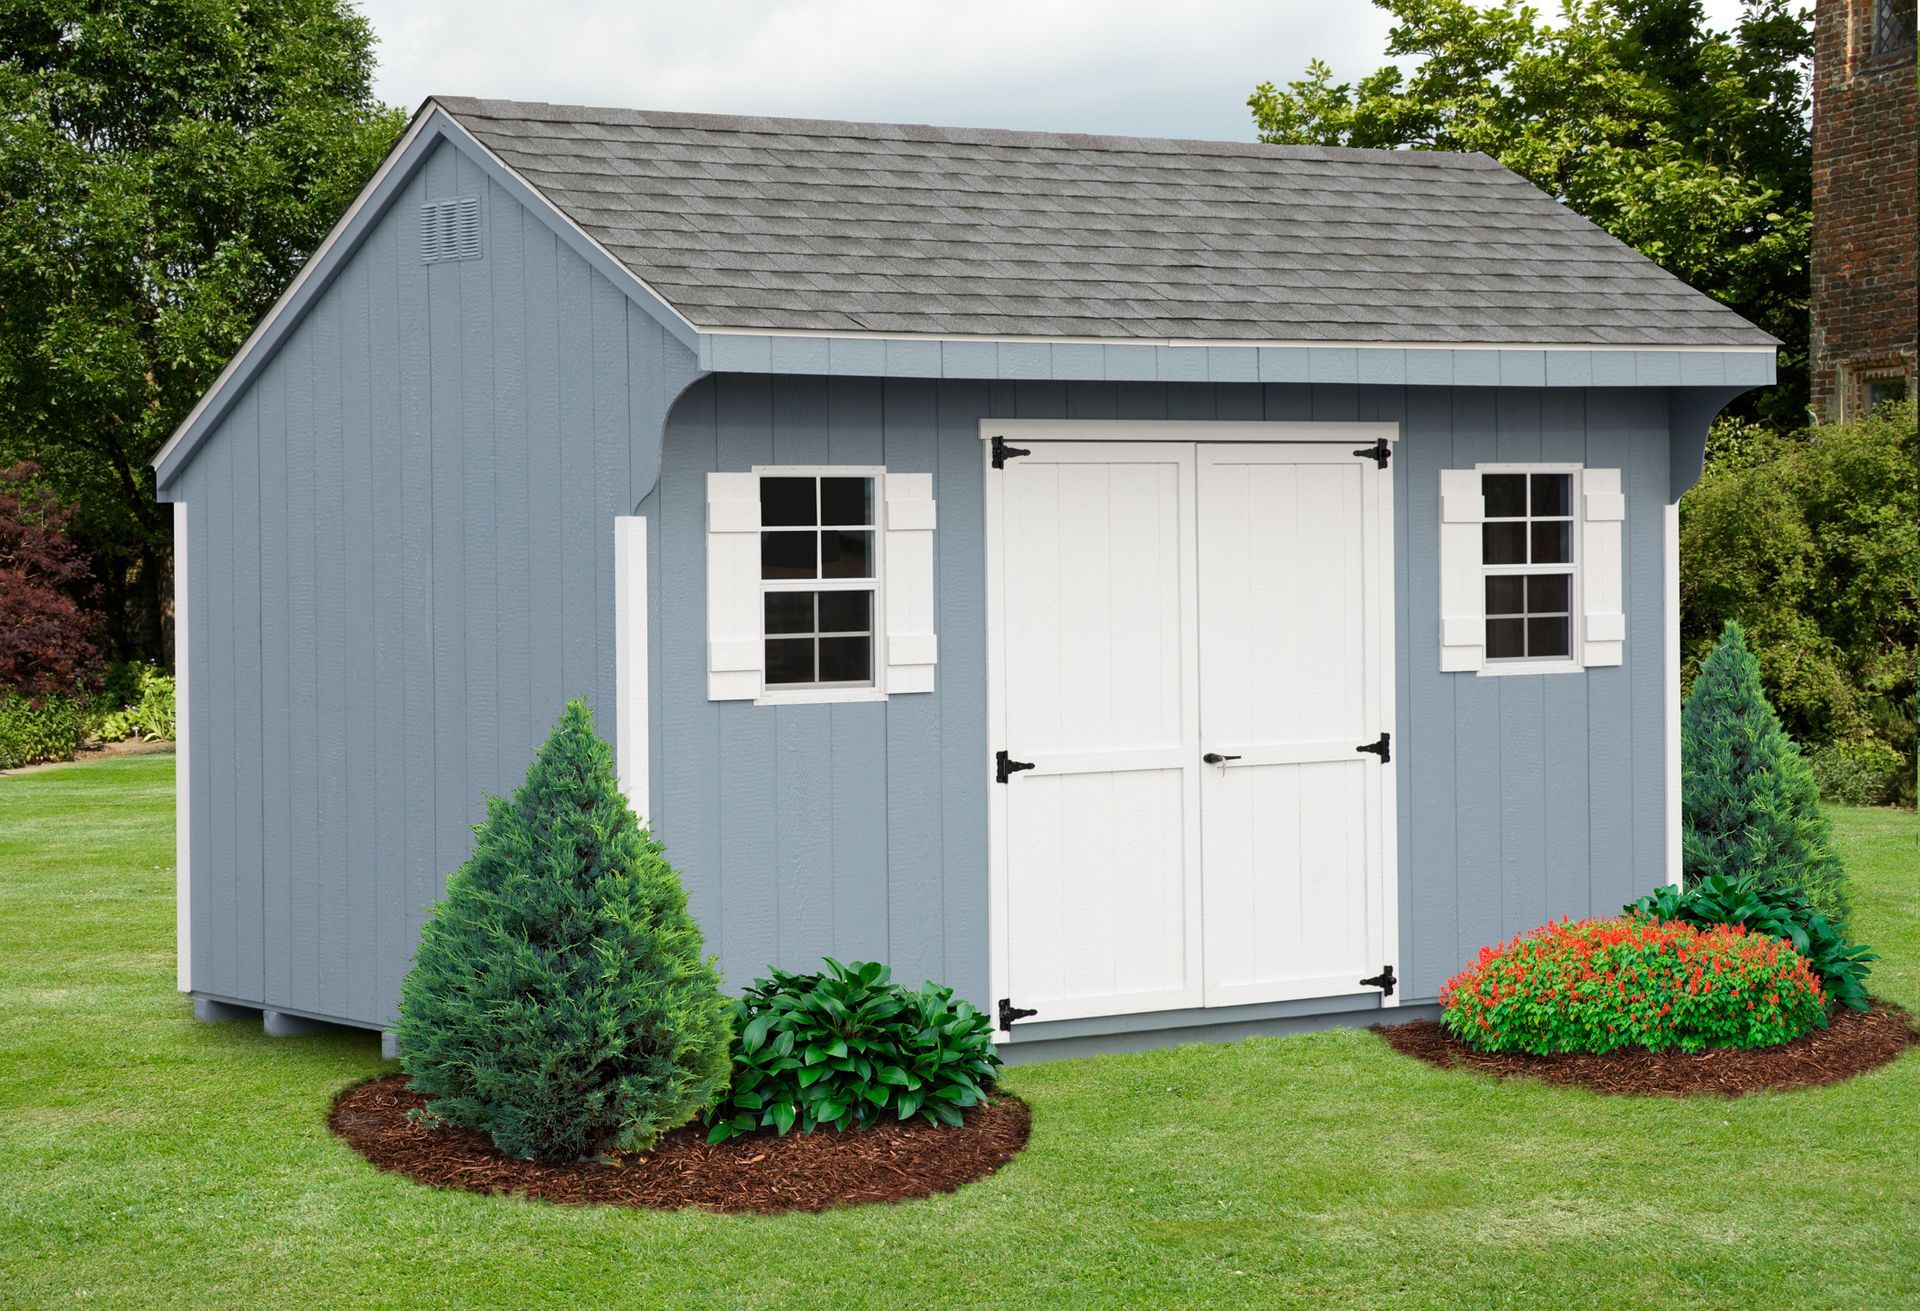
45 648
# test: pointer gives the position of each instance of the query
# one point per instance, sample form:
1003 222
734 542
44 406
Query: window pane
1506 594
1552 543
846 500
790 612
1552 494
786 501
1506 494
789 660
787 555
846 659
846 555
1504 543
1506 639
846 612
1547 637
1547 593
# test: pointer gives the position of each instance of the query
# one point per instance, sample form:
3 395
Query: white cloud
1165 68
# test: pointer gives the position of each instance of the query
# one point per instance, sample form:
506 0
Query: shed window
819 584
1527 553
819 572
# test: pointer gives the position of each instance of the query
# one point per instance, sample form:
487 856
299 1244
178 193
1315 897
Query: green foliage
1602 984
1868 773
849 1047
1783 913
1812 542
137 700
1689 144
32 733
559 1000
1749 806
167 166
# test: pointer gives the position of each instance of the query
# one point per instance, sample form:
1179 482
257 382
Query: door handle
1215 758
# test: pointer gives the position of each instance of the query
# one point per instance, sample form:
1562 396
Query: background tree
45 643
1812 541
1692 146
165 167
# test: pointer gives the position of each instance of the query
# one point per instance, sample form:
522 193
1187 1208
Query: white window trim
1507 666
809 694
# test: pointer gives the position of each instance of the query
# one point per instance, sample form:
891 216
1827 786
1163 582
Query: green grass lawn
146 1160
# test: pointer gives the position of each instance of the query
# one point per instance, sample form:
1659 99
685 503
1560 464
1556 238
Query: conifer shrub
559 1000
1750 805
1602 984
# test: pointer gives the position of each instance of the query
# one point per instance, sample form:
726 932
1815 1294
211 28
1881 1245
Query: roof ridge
612 116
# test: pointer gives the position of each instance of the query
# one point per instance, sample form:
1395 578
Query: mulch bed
800 1172
1852 1043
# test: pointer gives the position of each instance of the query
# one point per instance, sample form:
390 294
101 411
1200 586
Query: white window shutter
911 648
1463 593
733 586
1603 514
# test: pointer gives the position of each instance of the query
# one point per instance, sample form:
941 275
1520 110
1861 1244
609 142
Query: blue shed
1165 589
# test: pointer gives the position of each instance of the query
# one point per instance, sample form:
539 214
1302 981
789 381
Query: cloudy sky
1180 69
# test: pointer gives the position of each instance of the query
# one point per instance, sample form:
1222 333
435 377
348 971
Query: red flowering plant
1601 984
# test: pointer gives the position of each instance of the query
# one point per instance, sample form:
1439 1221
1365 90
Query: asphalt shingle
796 224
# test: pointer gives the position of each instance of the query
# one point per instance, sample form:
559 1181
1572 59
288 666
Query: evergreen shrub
1750 806
33 733
1602 984
559 1000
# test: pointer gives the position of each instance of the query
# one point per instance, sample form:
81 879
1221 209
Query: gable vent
450 229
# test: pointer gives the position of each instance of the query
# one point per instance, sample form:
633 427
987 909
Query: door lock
1215 758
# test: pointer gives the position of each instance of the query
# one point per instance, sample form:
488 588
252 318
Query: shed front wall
859 830
403 564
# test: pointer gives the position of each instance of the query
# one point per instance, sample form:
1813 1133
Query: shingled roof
768 224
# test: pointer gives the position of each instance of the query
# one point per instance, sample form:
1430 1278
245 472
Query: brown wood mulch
763 1173
1852 1043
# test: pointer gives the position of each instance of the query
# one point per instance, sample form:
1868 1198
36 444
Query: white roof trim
1200 343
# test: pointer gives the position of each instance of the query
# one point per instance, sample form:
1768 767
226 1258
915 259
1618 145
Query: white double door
1152 604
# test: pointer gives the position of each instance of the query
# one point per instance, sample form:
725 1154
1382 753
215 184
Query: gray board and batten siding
401 516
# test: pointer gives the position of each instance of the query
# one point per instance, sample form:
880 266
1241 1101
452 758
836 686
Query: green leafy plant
137 699
847 1047
1601 984
1750 808
1783 913
559 1000
1863 773
34 732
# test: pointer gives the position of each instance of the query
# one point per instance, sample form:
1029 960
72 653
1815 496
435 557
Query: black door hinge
1383 748
1379 452
1009 1013
1001 454
1005 767
1384 981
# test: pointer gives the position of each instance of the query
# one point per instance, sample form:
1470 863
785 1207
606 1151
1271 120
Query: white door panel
1151 602
1097 640
1286 687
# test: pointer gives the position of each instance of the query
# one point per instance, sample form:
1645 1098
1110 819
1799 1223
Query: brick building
1865 205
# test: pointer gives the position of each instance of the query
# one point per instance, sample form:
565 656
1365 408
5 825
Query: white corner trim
182 763
631 690
1183 430
1670 602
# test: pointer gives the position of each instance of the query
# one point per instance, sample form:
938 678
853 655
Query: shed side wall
403 565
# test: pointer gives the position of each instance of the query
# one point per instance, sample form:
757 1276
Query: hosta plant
1602 984
847 1048
1779 912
